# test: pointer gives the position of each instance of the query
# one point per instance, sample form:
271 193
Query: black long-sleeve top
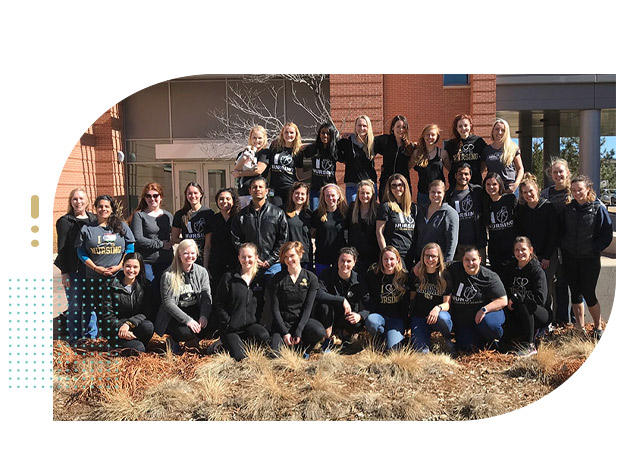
540 225
333 290
358 166
395 159
291 303
528 284
68 228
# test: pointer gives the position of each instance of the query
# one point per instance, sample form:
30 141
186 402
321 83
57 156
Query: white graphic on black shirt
388 294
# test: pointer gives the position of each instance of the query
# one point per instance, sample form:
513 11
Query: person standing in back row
193 220
465 147
396 149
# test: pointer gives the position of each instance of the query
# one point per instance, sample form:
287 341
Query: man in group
264 225
465 198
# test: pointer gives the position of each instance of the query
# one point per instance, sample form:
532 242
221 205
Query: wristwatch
483 308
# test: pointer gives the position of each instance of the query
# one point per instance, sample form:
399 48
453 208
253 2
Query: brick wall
421 98
93 164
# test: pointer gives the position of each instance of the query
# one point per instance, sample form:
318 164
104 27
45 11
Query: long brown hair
290 208
142 205
373 209
581 178
400 274
441 268
388 197
456 136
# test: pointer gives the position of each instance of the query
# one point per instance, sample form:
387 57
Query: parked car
609 197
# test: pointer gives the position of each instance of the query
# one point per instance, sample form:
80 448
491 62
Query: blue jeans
351 192
421 331
314 202
473 336
81 315
393 328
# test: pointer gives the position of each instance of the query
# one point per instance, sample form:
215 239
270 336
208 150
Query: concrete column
525 138
590 160
551 138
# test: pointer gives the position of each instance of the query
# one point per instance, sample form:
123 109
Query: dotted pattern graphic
29 337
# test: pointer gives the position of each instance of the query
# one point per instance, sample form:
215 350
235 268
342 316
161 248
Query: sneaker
306 355
597 334
326 345
526 350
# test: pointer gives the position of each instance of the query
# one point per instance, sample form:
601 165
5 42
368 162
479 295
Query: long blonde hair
176 271
373 208
368 145
74 191
423 154
296 146
400 274
342 206
509 147
388 197
441 268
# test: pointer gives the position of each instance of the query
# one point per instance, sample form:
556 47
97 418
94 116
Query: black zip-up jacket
540 225
585 230
266 228
358 166
234 303
120 306
68 228
333 290
395 159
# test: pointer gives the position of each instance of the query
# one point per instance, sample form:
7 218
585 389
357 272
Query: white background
65 63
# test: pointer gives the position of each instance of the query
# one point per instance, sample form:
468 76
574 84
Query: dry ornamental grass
368 385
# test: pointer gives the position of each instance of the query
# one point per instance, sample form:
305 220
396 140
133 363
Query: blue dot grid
76 374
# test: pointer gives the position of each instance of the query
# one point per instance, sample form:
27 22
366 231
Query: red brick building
149 118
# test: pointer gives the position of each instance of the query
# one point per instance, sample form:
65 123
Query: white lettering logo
286 160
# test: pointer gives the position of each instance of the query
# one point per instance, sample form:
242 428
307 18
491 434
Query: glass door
211 176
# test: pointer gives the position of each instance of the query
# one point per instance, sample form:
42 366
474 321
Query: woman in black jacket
464 147
291 294
299 220
124 307
585 230
80 325
235 305
528 308
357 153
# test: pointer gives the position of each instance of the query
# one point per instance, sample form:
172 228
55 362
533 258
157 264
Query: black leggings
582 275
333 315
180 331
144 332
312 333
233 341
522 322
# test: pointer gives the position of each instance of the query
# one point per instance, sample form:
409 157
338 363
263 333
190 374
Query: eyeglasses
153 196
397 185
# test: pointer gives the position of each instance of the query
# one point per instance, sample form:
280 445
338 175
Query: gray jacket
442 228
170 309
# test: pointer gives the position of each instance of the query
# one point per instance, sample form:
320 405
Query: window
455 80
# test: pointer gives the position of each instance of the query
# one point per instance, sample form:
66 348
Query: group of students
288 263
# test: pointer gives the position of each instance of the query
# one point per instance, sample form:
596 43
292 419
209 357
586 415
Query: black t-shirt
300 231
398 231
222 252
282 169
470 292
471 150
501 223
329 237
384 298
434 170
468 205
323 166
262 156
428 297
196 228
